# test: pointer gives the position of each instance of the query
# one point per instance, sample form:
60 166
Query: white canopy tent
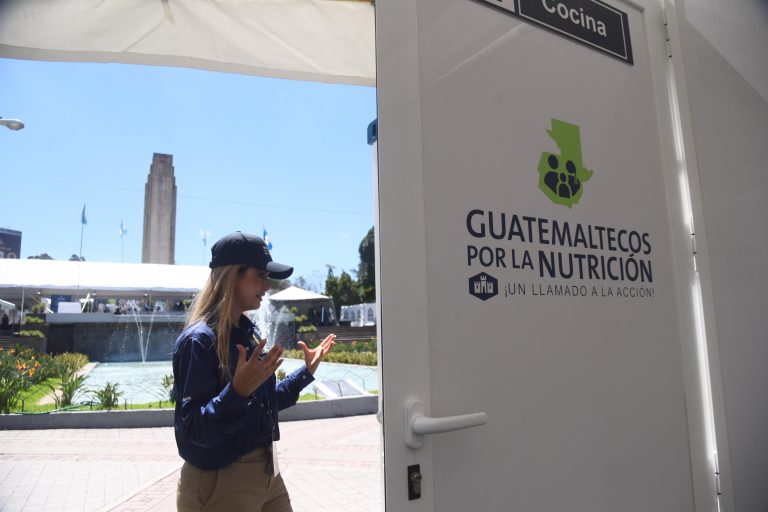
319 309
128 279
319 40
296 294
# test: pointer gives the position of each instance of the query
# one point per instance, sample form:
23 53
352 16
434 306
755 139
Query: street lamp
12 124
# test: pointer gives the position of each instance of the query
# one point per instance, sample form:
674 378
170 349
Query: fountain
277 326
140 377
142 382
262 318
129 334
143 347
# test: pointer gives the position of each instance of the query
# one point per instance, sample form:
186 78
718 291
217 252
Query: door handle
417 425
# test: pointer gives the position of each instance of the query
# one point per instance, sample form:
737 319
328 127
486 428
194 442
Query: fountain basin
106 337
146 418
142 382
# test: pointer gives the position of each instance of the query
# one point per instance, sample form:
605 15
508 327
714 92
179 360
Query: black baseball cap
240 248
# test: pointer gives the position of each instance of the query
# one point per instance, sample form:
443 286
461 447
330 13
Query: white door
526 266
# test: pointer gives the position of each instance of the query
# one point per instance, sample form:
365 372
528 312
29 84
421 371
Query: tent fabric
8 306
320 310
359 315
318 40
89 275
296 294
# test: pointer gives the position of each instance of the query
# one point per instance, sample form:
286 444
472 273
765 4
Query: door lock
414 482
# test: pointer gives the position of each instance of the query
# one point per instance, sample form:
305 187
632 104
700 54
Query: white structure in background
159 239
317 40
319 309
129 283
359 315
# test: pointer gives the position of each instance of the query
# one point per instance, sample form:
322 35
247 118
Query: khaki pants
242 486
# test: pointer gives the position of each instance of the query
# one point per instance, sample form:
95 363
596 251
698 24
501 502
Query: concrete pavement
331 465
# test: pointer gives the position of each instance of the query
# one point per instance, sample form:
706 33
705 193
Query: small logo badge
483 286
562 177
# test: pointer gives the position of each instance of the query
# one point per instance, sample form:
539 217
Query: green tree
75 257
342 288
302 283
277 285
44 256
366 271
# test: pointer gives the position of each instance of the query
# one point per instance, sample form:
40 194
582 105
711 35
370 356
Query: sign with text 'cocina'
590 22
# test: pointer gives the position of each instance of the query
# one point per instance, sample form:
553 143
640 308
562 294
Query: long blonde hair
213 306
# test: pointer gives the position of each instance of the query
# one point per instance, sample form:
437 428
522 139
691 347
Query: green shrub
361 358
18 366
64 394
168 387
38 308
356 346
69 362
34 320
32 333
21 368
108 396
47 369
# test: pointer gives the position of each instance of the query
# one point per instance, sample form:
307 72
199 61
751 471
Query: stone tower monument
159 242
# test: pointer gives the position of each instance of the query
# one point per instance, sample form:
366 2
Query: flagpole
122 242
80 257
82 228
204 234
205 244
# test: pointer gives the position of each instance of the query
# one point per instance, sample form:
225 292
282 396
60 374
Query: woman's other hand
313 356
251 373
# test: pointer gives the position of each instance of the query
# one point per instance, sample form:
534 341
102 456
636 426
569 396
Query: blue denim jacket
215 426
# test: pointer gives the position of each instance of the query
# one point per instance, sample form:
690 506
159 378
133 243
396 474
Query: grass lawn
28 402
30 405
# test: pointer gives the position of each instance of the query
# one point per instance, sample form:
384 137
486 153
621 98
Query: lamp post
15 125
21 316
12 124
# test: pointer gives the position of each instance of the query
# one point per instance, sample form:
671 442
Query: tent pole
22 307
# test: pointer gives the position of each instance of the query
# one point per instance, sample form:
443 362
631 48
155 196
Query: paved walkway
328 465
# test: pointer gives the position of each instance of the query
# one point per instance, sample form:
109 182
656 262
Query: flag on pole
82 217
266 238
123 230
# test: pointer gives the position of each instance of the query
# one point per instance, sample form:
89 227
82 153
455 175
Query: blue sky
248 151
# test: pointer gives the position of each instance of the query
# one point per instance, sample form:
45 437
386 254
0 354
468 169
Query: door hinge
718 489
667 39
694 251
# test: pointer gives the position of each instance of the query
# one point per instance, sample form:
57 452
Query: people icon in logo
561 177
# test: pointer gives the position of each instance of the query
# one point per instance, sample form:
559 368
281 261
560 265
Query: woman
227 396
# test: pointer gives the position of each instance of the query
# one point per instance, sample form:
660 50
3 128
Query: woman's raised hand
313 356
251 373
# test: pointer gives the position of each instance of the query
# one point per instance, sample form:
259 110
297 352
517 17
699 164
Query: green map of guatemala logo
562 177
